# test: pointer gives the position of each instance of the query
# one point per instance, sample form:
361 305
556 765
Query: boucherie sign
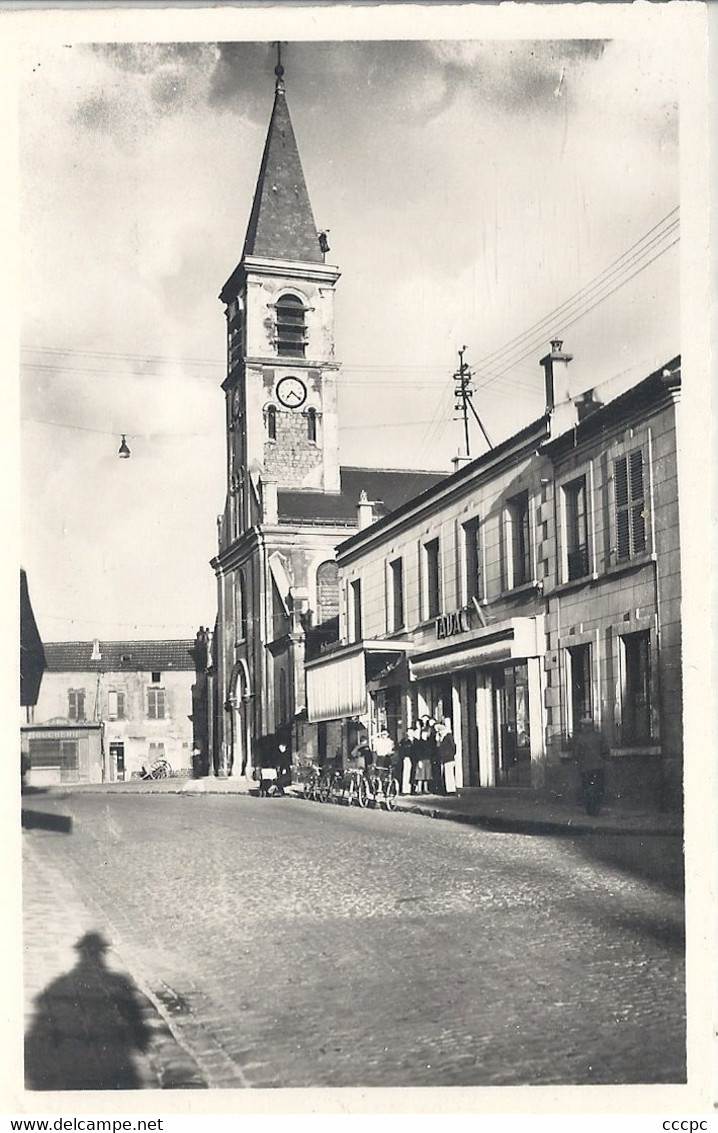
447 625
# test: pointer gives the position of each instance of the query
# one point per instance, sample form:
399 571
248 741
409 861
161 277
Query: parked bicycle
311 785
383 788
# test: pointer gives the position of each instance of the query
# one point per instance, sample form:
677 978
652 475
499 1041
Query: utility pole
463 377
463 390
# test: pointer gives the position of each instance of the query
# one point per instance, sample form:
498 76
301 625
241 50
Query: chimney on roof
96 655
460 460
365 511
559 406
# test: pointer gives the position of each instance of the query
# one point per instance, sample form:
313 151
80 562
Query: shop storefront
490 686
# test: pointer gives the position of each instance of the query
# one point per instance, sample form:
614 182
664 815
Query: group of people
422 762
427 758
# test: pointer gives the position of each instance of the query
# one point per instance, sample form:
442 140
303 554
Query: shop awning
336 683
512 640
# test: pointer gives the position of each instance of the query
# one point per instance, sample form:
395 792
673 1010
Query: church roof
281 223
116 656
386 488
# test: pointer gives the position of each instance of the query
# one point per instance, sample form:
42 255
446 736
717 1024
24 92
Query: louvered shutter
623 532
638 522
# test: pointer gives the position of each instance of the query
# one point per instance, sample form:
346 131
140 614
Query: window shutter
120 705
638 523
621 482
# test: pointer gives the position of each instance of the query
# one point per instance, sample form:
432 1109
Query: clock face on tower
291 392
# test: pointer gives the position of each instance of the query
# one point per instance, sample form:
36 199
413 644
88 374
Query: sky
474 192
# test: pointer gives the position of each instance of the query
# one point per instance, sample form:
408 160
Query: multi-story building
288 502
538 584
108 708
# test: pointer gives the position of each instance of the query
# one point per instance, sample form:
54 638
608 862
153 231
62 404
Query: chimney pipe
555 366
365 511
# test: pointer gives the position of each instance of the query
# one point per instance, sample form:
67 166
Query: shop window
576 517
291 326
512 734
630 505
636 689
518 542
396 577
581 699
473 587
432 564
76 704
355 610
155 703
270 420
116 704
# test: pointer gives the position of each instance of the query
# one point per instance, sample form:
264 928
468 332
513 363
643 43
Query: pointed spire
281 224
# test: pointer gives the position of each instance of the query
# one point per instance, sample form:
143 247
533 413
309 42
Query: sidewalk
88 1025
493 810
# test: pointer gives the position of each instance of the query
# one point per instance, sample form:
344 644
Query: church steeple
281 224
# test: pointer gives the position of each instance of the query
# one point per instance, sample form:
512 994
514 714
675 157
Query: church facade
289 502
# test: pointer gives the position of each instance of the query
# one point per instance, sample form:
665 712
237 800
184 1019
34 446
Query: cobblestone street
291 944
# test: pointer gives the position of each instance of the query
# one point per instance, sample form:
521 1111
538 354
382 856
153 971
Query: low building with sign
537 585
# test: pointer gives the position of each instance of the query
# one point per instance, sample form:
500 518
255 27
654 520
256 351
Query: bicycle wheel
362 793
390 794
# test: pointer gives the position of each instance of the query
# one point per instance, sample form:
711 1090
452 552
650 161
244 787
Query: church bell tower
281 384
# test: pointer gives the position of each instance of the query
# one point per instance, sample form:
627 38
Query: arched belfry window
291 326
312 425
270 417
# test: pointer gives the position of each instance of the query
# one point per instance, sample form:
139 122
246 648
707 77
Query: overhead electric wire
613 269
581 314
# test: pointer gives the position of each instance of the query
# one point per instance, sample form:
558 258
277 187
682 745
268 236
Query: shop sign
447 625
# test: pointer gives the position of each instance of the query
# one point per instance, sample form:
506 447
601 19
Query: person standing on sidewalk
592 755
405 761
446 749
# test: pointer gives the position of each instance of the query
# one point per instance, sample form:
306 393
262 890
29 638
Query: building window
327 591
240 614
156 678
76 704
472 560
156 751
116 704
630 505
156 703
396 575
581 698
291 326
235 334
270 419
282 706
518 543
576 514
636 689
432 562
312 425
355 619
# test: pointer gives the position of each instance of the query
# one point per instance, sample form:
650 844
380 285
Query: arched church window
291 326
271 420
312 425
327 591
